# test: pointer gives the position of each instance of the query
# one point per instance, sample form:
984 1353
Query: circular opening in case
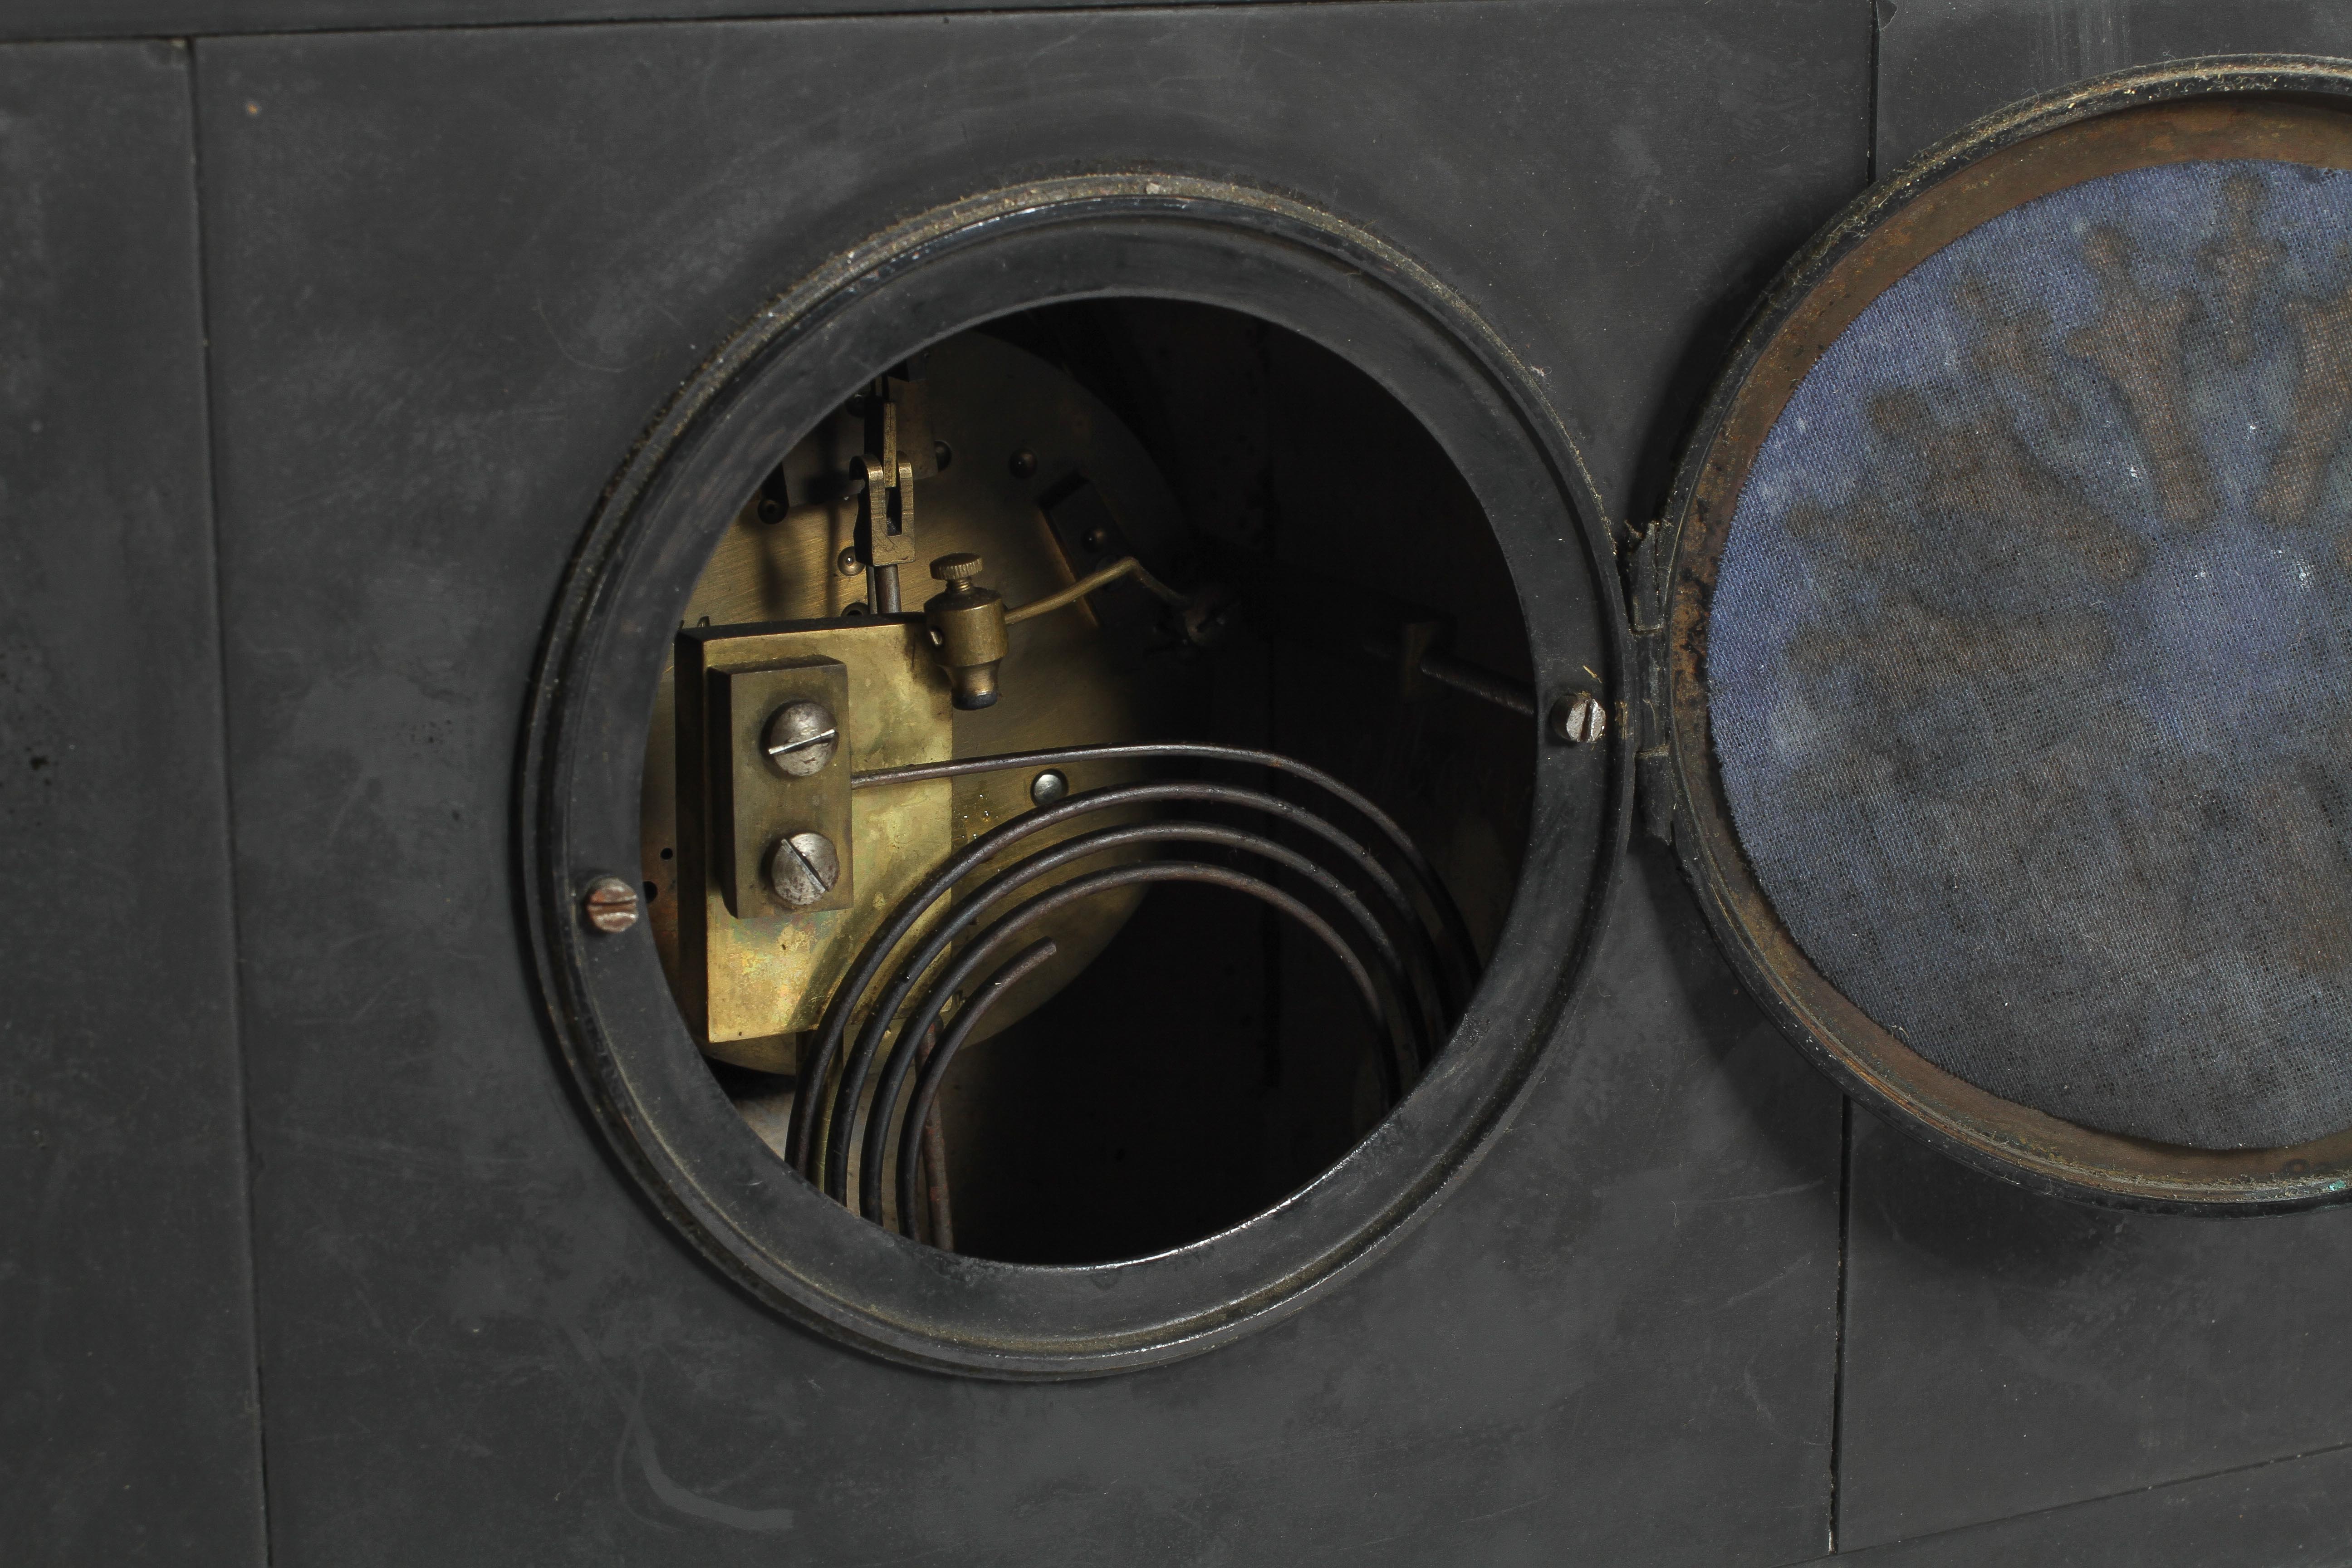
2012 628
1311 578
1213 520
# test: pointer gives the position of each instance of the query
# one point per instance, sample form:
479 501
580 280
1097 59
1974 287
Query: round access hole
1062 679
1311 577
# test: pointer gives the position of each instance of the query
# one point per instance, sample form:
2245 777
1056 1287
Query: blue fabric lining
2028 656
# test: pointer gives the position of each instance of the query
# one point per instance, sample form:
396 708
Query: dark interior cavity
1198 1057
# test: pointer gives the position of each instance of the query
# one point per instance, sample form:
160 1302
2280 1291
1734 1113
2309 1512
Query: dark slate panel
2292 1513
1943 63
454 276
2006 1352
127 1418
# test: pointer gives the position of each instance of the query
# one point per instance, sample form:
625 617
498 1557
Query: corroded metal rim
608 1007
2241 107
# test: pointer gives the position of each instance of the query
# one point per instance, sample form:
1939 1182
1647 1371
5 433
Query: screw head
847 563
1579 719
1023 464
799 739
943 456
610 904
802 867
961 567
1048 787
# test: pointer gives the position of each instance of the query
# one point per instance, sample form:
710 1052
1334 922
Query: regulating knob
967 624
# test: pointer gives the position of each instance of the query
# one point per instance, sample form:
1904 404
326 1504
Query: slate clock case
333 330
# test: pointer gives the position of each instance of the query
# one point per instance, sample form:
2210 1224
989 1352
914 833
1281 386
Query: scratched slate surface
2006 1352
452 275
1943 63
127 1422
2283 1514
469 1311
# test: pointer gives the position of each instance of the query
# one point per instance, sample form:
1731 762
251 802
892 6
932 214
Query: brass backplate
751 983
1068 679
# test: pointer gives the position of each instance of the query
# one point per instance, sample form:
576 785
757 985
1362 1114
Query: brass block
770 973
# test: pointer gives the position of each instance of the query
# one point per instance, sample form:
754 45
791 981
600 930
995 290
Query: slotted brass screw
799 739
804 867
1579 719
611 904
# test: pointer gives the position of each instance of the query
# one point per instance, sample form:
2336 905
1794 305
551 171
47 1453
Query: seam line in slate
228 793
165 33
1870 139
2153 1490
1837 1374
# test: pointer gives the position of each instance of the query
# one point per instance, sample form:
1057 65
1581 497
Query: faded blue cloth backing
2028 656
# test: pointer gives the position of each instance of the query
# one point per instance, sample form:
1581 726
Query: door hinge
1646 570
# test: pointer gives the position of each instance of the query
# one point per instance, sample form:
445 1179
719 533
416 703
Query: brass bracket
899 452
753 969
889 513
1091 537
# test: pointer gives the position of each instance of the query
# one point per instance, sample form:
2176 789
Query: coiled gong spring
1368 895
